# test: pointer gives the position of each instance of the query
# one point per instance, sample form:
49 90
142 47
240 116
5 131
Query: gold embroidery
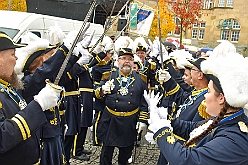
202 110
242 127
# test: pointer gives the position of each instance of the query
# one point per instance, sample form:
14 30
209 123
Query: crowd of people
193 107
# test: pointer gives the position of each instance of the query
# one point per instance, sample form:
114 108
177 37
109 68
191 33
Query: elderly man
125 110
19 121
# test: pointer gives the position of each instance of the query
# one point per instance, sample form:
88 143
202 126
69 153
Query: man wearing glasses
125 109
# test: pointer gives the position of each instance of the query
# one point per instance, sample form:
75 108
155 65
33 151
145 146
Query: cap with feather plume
26 55
123 45
231 72
139 44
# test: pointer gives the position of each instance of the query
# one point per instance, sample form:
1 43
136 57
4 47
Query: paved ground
146 154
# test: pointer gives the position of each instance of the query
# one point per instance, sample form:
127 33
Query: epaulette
106 75
243 127
143 77
102 63
202 110
152 65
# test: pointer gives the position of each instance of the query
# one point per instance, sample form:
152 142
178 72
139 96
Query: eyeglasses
126 59
195 70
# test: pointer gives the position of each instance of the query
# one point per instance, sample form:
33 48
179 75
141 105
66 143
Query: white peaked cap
182 58
223 49
56 35
123 42
232 74
35 43
139 41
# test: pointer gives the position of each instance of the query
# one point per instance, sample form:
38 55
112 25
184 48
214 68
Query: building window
207 4
225 34
230 30
202 24
221 3
198 30
225 3
229 3
194 33
236 24
195 25
235 36
201 34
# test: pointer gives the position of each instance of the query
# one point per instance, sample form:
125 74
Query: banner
133 16
144 22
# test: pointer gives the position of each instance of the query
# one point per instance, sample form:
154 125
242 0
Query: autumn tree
15 5
187 12
166 21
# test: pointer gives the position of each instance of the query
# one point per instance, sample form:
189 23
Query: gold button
129 102
131 94
116 101
2 90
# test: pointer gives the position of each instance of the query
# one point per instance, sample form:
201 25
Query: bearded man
126 110
19 121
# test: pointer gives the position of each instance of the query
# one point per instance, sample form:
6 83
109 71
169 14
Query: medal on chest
124 88
123 91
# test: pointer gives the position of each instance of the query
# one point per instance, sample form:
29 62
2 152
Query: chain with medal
15 97
124 90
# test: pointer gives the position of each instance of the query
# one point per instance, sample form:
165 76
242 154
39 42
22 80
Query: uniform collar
196 92
4 83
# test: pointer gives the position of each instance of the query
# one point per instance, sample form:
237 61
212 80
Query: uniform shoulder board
202 110
143 77
242 127
152 65
105 75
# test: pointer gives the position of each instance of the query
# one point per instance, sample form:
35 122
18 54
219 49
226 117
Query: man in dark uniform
98 72
149 66
125 109
19 121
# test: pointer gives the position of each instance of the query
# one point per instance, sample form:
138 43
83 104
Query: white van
16 23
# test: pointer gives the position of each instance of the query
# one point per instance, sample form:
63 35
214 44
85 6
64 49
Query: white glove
78 48
99 48
47 97
108 86
162 112
152 100
141 127
149 137
158 124
163 75
85 57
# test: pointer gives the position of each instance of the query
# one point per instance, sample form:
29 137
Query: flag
144 21
133 16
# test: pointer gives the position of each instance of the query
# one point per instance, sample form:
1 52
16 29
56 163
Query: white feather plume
231 71
123 42
56 35
139 41
223 49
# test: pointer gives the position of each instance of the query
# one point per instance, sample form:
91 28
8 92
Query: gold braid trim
173 91
63 51
202 110
97 93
